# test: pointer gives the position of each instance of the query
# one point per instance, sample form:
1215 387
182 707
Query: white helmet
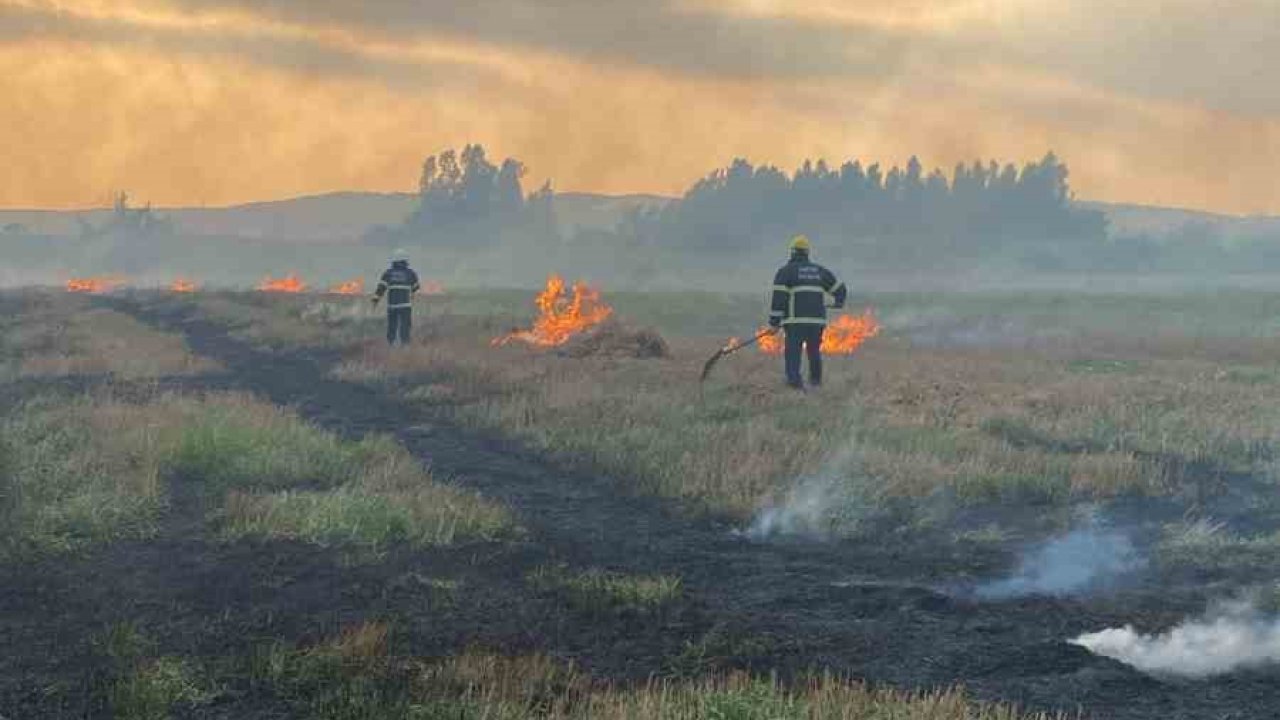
399 255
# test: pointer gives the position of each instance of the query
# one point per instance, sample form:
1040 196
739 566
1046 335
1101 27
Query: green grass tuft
598 591
151 691
92 471
143 687
349 678
236 442
350 516
71 486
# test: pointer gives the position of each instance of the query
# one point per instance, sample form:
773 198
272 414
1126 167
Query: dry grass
357 675
284 321
60 334
84 472
1019 411
639 419
978 425
97 469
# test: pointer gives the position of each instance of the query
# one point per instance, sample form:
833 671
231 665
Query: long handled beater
731 349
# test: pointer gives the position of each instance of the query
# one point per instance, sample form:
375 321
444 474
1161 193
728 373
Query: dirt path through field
785 607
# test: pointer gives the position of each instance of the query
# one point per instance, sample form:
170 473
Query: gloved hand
775 322
838 306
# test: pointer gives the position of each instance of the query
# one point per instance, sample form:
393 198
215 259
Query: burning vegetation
561 315
350 287
100 284
844 335
183 285
290 283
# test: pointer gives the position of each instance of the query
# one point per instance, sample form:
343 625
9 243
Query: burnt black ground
866 610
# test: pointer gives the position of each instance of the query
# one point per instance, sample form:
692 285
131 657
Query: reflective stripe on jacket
800 292
398 283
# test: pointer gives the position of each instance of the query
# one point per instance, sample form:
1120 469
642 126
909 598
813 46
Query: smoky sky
1164 101
1223 54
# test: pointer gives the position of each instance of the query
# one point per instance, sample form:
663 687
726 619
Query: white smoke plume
1080 561
805 512
816 504
1231 637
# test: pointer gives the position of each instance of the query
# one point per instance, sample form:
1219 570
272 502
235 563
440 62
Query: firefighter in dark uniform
799 307
398 283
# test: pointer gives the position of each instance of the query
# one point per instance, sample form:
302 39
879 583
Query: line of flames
561 315
843 336
290 283
96 284
107 283
350 287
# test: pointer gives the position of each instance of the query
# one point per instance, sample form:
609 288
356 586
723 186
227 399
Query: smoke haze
1080 561
226 101
815 505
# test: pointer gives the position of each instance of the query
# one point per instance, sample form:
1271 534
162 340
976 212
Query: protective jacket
799 293
398 283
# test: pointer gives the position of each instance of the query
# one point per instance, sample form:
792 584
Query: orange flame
182 285
843 336
290 283
849 332
771 343
350 287
561 317
432 287
99 284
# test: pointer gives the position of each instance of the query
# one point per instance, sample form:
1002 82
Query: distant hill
335 217
330 218
345 216
1161 222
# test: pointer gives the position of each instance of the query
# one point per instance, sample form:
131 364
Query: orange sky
191 102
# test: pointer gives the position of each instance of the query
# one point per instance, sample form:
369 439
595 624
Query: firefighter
799 307
398 283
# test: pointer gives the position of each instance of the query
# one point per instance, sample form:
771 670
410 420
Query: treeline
980 215
464 198
904 215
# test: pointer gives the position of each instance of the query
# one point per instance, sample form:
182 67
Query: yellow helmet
800 243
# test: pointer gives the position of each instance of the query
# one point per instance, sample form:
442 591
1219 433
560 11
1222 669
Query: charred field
242 505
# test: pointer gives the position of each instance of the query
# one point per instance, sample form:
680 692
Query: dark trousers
399 324
806 339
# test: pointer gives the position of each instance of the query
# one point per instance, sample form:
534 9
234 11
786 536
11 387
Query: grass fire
290 283
92 285
997 436
843 336
561 314
350 287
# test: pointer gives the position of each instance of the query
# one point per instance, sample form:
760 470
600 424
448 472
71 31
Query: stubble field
245 505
